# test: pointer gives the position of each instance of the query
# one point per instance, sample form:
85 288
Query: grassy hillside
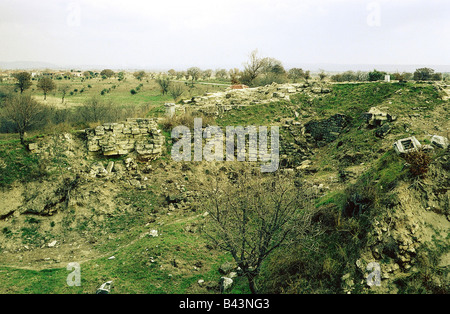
368 206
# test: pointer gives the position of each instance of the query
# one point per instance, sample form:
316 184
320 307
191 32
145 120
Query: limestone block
122 141
104 141
93 147
440 141
406 145
107 126
110 166
100 130
32 146
128 146
111 152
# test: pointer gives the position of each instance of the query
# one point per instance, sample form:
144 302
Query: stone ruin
217 103
115 139
410 144
170 109
406 145
375 117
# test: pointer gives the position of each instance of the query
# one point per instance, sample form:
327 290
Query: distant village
7 75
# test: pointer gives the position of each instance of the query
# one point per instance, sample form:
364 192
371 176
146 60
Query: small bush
186 119
419 161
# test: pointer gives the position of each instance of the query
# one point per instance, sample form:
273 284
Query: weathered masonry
140 135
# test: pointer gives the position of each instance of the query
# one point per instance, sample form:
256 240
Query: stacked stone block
140 135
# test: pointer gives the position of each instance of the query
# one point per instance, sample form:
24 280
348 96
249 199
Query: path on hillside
42 264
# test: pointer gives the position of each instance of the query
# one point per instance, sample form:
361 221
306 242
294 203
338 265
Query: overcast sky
213 34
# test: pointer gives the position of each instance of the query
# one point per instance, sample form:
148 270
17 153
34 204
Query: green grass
387 172
18 164
131 270
257 114
354 99
335 197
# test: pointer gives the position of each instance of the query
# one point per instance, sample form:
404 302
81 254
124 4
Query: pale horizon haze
221 34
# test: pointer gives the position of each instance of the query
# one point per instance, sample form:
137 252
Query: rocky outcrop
217 103
139 135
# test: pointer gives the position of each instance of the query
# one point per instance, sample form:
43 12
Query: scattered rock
225 283
52 244
105 288
376 117
33 146
153 233
383 130
440 141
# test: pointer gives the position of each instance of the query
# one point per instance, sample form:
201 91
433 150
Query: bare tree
94 110
194 74
139 75
221 74
180 74
307 75
164 83
176 90
47 85
252 68
253 216
235 75
295 74
322 75
206 74
23 80
23 110
63 89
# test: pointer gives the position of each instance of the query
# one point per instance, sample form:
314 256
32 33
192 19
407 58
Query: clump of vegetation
18 164
419 161
176 90
24 111
186 119
253 225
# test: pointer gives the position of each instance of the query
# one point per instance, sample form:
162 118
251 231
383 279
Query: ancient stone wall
140 135
216 103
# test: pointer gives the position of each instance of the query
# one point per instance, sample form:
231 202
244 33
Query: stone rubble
219 102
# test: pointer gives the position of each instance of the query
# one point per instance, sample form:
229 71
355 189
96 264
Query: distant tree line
421 74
